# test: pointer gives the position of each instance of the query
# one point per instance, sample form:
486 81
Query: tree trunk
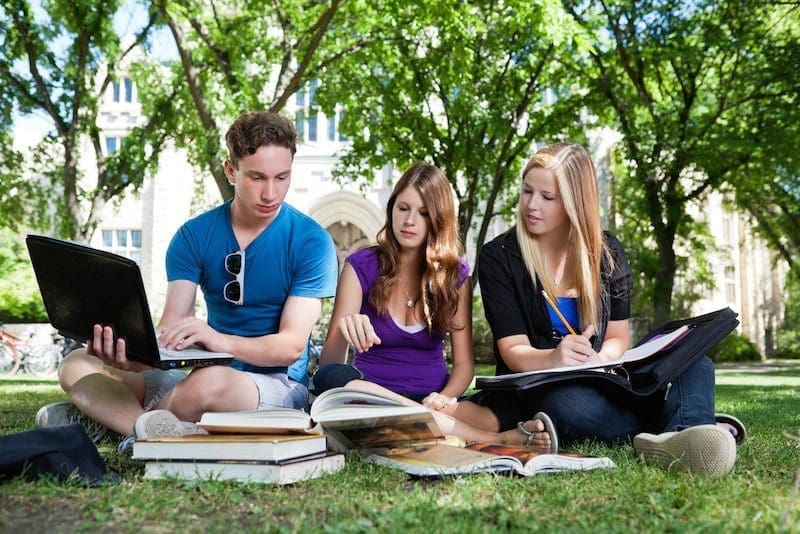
665 280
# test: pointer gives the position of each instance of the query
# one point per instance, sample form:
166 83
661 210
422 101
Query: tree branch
320 27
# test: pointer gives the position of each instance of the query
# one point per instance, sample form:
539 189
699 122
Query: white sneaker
163 424
66 413
703 449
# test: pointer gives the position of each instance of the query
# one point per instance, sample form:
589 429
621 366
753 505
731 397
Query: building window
332 128
311 124
300 124
125 242
341 135
111 145
312 92
730 284
118 87
727 230
128 90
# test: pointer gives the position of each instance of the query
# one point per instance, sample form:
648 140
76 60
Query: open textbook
652 346
348 417
443 459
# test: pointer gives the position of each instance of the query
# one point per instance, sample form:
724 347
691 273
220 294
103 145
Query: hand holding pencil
575 349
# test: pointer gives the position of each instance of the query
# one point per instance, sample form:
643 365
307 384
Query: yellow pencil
558 312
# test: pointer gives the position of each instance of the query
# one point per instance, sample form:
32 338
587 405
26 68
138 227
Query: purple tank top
404 362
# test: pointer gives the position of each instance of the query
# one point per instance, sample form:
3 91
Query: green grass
364 497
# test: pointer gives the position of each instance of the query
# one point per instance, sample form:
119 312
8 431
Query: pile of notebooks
265 458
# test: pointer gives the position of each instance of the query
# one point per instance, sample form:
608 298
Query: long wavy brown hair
440 265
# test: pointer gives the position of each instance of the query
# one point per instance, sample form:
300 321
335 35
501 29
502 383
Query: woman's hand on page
357 330
112 352
437 401
574 350
191 331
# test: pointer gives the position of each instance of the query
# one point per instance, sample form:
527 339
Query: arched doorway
347 237
351 220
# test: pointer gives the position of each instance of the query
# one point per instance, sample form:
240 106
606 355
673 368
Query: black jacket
513 307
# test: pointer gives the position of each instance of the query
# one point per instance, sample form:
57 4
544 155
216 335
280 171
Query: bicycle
66 344
16 352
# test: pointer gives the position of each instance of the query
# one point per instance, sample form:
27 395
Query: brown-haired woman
396 302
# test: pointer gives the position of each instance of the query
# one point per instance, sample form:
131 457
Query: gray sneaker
66 413
163 424
702 450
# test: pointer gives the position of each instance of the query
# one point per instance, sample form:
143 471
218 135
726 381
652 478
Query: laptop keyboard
190 353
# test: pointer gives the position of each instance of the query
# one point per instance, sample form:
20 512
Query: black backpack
60 451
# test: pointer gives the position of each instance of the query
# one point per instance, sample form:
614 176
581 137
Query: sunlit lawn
364 497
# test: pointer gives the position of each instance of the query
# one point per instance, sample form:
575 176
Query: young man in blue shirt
264 269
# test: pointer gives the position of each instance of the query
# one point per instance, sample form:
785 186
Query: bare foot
541 438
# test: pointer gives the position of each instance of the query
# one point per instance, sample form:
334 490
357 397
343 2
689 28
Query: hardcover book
247 471
263 447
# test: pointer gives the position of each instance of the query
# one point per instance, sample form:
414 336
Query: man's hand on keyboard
191 331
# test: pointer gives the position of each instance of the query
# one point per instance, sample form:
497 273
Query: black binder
644 377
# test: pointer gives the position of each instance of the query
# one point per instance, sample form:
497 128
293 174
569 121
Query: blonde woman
556 292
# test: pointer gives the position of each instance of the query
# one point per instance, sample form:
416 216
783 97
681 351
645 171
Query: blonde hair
441 263
576 180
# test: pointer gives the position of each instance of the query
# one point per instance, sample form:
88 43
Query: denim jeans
581 411
334 375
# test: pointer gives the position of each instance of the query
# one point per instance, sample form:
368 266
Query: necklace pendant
410 303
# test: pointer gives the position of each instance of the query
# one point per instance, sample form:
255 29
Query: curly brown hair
253 130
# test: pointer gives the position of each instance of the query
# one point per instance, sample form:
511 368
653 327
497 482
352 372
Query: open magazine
443 459
349 417
652 346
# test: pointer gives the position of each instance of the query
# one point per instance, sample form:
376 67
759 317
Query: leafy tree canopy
684 84
468 88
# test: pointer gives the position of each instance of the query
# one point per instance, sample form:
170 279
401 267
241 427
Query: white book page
652 346
635 354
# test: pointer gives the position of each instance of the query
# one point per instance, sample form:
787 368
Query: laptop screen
82 286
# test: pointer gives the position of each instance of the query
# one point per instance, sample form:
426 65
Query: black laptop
82 286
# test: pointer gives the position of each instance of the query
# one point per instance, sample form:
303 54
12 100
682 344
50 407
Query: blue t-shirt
568 306
293 256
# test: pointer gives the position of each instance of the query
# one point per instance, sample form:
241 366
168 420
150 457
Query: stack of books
266 458
282 445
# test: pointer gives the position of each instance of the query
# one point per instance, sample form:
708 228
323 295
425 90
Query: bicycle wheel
9 362
42 360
